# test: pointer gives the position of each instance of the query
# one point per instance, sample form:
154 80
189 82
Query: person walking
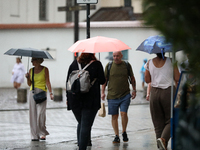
18 73
142 71
37 112
119 93
159 71
85 105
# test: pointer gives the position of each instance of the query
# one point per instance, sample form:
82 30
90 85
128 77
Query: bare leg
124 117
16 85
115 124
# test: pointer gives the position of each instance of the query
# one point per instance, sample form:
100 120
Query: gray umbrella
29 52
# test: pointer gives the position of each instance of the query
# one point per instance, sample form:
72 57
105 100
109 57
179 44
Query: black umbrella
29 52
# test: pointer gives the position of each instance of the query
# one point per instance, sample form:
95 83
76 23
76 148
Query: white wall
61 40
27 11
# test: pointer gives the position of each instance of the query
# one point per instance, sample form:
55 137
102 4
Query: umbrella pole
28 65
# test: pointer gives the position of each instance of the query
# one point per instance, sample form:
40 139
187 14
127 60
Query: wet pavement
61 124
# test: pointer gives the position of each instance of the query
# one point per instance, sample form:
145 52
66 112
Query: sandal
43 137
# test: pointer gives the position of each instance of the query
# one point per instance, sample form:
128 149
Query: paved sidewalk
8 100
61 124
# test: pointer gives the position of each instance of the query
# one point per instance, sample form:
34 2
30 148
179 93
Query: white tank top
161 77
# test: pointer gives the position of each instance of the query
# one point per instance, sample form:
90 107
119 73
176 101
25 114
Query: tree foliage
179 22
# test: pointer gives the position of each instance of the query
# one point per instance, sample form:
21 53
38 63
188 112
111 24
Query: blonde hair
18 58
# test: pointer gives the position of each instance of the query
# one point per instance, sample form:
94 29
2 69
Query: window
43 10
14 8
127 3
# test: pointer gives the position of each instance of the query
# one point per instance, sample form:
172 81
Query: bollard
57 94
21 95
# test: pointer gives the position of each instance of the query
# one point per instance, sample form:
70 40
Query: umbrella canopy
155 44
98 44
29 52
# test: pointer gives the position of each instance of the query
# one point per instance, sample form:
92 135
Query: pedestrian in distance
159 71
86 105
119 92
18 73
37 112
142 71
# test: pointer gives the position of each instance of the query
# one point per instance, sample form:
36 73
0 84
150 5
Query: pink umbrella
98 44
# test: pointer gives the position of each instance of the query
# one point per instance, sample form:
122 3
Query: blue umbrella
155 44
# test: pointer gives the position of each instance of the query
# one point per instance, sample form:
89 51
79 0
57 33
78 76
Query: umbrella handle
162 51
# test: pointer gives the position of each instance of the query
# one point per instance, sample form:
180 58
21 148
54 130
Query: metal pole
172 104
88 21
76 27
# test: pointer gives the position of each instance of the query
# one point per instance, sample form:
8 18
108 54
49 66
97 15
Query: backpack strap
108 70
128 69
33 80
79 65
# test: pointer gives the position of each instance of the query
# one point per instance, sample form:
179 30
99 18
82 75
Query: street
61 124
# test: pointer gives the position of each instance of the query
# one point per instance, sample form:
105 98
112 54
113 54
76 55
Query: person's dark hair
160 55
86 58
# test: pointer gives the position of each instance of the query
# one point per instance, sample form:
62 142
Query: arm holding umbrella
28 78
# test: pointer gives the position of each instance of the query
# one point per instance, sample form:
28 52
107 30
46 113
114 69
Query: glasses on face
33 59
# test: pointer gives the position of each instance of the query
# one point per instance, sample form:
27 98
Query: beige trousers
160 107
37 117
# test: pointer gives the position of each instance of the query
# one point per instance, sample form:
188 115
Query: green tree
179 22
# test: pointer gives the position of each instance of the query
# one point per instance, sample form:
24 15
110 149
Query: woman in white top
159 73
18 73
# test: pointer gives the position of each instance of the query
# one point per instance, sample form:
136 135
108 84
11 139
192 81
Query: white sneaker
161 144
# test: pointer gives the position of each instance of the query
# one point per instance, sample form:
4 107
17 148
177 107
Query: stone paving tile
61 125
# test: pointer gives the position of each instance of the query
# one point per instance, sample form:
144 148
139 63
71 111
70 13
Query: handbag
39 97
102 110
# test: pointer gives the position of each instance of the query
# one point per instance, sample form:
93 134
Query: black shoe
89 143
125 137
35 140
116 139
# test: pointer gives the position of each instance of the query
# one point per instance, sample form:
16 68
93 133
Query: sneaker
125 137
116 139
161 144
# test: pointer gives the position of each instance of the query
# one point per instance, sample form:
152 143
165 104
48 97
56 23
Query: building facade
23 24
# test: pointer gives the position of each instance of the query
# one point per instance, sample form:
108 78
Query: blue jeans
85 118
